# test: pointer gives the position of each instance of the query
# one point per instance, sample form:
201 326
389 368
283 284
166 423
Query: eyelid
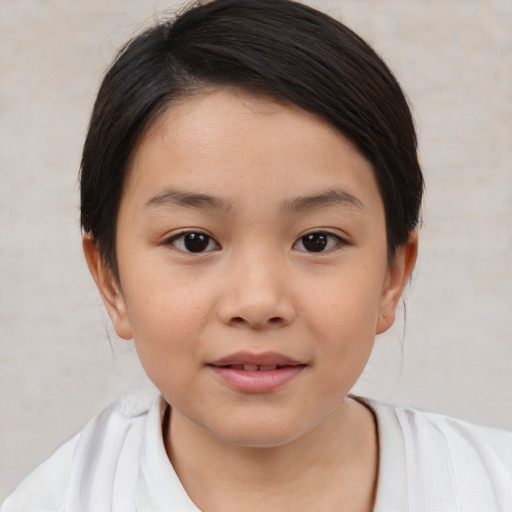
169 241
341 241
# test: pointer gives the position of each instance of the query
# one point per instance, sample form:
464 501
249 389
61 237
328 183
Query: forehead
228 141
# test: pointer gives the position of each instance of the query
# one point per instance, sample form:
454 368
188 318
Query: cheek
342 315
167 317
344 303
166 333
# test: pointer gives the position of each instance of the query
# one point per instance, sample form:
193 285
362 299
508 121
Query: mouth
255 367
256 373
250 361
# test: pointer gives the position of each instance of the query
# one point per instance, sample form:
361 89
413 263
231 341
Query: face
253 271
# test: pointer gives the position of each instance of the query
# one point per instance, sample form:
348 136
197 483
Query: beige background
454 58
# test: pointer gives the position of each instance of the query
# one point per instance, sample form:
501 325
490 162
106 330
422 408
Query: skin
305 445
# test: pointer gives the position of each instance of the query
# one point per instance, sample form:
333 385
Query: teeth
254 367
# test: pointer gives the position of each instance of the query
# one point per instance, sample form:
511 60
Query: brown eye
194 242
317 242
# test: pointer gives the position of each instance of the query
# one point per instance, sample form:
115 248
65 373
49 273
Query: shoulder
113 433
457 436
416 424
458 433
467 465
44 488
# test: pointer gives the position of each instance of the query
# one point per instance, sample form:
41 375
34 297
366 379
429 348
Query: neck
334 464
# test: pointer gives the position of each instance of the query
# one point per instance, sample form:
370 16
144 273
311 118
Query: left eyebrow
335 197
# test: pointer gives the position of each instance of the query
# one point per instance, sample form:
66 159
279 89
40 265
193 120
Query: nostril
274 321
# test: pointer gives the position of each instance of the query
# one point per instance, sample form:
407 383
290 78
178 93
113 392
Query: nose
256 295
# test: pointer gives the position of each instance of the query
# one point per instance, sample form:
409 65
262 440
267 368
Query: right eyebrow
173 197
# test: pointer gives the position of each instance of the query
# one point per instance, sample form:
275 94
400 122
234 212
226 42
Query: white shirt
427 463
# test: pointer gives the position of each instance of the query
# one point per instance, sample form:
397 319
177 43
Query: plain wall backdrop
60 362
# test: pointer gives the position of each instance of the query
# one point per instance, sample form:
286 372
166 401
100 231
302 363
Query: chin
260 440
259 434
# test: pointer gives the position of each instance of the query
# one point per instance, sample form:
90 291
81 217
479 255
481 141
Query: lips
261 360
254 367
256 373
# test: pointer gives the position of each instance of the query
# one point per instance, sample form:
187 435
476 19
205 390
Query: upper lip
261 359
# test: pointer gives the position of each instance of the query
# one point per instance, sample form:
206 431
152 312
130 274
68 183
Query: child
250 191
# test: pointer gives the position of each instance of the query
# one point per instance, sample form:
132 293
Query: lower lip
257 381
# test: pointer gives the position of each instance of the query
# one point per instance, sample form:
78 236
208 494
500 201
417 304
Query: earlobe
108 287
398 275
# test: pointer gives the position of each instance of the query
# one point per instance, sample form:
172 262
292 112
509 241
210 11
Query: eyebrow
335 197
172 197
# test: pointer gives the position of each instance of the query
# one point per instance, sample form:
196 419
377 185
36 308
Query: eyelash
325 242
325 237
179 238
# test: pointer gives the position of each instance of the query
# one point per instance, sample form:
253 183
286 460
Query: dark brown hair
280 48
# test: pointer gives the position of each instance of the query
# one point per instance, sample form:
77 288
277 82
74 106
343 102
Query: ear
108 287
399 271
